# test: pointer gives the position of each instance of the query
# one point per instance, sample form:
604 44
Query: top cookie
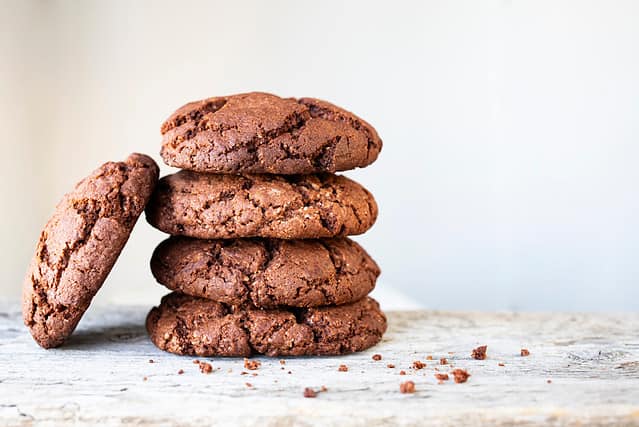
80 244
263 133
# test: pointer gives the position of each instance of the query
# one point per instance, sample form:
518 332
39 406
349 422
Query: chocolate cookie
263 133
80 244
212 206
266 273
196 326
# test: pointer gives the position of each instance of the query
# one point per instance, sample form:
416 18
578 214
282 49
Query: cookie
195 326
212 206
263 133
266 273
80 244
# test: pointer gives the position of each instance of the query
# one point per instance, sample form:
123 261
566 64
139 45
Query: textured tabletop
583 369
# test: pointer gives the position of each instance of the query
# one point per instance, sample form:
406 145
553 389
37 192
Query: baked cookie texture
266 273
213 206
196 326
263 133
80 243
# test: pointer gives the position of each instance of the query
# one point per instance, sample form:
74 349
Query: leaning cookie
263 133
80 244
213 206
196 326
266 273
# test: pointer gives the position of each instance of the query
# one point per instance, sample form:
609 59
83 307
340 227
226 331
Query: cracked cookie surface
266 273
213 206
263 133
183 324
80 243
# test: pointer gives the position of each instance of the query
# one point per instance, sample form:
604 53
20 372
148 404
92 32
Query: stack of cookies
258 259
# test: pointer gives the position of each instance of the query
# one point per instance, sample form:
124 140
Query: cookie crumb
342 368
460 375
525 352
181 371
479 353
419 364
249 385
229 370
407 387
243 373
144 378
377 357
196 362
390 365
443 361
429 357
500 364
442 377
309 392
402 372
282 362
206 368
323 389
254 374
251 365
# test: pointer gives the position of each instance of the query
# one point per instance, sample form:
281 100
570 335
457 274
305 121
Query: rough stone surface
263 133
213 206
80 244
266 273
196 326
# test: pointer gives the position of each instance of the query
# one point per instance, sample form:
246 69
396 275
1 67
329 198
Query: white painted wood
97 379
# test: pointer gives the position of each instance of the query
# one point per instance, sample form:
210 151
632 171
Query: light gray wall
508 178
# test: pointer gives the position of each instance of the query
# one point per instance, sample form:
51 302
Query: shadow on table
107 337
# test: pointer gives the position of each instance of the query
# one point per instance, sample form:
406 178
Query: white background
509 174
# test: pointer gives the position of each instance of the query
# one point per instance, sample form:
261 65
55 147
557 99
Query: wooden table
583 369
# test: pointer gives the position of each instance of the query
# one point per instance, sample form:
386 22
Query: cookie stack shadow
258 259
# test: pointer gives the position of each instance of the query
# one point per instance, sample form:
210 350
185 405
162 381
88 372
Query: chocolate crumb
151 361
402 372
181 371
460 375
390 365
243 373
309 392
479 353
144 379
342 368
206 368
500 364
419 365
442 377
377 357
525 352
549 381
282 368
196 362
249 385
289 372
407 387
443 361
251 365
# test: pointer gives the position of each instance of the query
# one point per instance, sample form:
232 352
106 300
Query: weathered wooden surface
98 378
